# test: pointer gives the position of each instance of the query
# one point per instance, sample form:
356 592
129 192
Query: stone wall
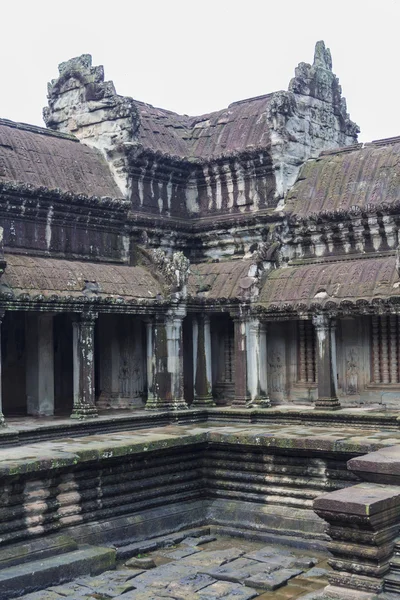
100 489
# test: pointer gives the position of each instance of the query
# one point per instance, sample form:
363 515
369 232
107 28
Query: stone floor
204 568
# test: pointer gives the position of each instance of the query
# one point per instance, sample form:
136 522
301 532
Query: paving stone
305 562
224 590
69 589
200 541
112 591
266 552
237 570
213 558
318 595
43 595
140 563
316 572
148 595
179 553
163 575
191 583
272 581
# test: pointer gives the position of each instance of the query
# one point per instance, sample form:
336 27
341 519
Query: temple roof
242 126
42 158
349 281
48 277
228 279
356 176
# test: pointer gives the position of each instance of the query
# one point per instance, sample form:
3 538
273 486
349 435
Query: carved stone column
242 394
202 361
2 420
83 361
326 362
166 386
256 354
150 362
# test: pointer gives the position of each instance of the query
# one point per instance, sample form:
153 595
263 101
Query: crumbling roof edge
38 130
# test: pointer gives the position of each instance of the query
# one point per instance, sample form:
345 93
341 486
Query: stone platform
25 430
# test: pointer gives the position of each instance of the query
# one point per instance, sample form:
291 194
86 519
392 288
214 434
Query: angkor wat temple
236 268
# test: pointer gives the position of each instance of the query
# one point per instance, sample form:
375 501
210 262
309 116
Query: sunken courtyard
200 348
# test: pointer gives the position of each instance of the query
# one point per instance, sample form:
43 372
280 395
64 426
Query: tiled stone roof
349 281
242 126
353 177
34 276
228 279
42 158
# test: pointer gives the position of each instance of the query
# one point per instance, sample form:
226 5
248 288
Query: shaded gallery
215 301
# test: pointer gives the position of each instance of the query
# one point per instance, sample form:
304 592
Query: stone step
392 582
38 574
36 549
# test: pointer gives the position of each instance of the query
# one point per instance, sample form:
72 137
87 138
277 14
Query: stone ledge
382 465
18 580
363 499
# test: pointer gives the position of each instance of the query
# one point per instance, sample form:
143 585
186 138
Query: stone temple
215 301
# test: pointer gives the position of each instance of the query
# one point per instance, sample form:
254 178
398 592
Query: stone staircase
391 584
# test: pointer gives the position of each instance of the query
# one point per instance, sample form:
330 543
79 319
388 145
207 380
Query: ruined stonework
82 103
240 159
239 267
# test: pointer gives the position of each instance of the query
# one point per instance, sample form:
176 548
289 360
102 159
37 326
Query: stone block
363 526
36 549
191 583
364 499
17 580
382 466
272 581
238 570
179 553
140 563
213 558
265 553
200 541
225 590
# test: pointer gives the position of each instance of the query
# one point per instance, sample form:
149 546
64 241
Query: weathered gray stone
315 572
140 563
14 581
222 590
266 552
163 575
305 562
191 583
200 541
36 549
179 553
43 595
213 558
238 570
272 581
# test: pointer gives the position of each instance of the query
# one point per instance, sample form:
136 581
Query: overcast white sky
195 56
